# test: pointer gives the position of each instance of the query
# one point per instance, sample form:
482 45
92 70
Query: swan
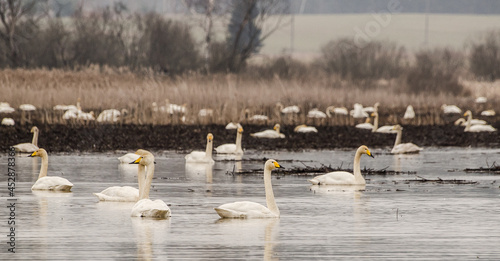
288 109
110 115
365 125
305 129
205 113
125 193
8 122
488 113
5 108
129 157
48 183
409 113
358 112
65 108
383 129
29 147
372 109
317 114
336 110
202 156
232 148
27 107
258 117
232 126
401 148
481 100
476 128
343 177
450 109
248 209
463 122
146 207
270 134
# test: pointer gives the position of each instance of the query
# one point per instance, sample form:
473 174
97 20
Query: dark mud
100 138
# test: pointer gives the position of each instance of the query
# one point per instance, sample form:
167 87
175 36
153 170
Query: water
392 219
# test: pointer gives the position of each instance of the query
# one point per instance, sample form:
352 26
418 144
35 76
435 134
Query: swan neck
141 179
375 123
149 179
208 152
238 142
35 138
398 138
356 167
469 122
44 167
271 202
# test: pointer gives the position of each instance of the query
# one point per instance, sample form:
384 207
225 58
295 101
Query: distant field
313 31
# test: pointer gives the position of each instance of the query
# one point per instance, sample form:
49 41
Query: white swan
401 148
305 129
409 113
248 209
450 109
258 117
481 99
270 134
288 109
316 114
476 128
27 107
365 125
48 183
488 113
232 126
358 112
146 207
463 122
383 129
232 148
5 108
343 177
202 156
110 115
8 122
372 109
29 147
336 110
124 193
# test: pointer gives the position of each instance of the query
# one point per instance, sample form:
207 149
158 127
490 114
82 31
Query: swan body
129 157
117 193
5 108
402 148
258 117
336 110
488 113
110 115
305 129
8 122
232 148
29 147
450 109
383 129
317 114
463 122
365 125
146 207
65 108
27 107
270 134
48 183
205 113
476 128
79 115
288 109
409 113
232 126
247 209
358 112
344 177
481 100
371 109
202 156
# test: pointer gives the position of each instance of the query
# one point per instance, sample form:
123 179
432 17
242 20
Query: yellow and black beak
32 154
136 161
369 153
278 166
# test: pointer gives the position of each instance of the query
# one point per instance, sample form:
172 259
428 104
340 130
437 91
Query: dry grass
227 95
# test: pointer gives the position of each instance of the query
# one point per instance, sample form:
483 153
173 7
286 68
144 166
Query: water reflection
199 172
248 231
146 232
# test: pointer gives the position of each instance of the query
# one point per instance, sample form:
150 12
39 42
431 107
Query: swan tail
224 213
63 188
314 181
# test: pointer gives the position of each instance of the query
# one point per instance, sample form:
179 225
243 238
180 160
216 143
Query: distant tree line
31 37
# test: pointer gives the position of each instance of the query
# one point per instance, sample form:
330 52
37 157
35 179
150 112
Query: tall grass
227 94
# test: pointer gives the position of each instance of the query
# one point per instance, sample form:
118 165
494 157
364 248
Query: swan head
38 153
397 127
364 150
240 129
276 127
299 126
34 129
210 137
467 113
145 160
374 114
272 164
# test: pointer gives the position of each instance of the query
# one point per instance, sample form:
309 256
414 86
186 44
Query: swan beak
33 154
278 166
369 154
136 161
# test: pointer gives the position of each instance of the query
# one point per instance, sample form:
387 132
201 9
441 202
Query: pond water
392 219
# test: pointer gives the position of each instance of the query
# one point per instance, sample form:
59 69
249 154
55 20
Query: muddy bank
99 138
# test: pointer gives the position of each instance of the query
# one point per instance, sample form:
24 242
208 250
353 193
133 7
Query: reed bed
232 98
